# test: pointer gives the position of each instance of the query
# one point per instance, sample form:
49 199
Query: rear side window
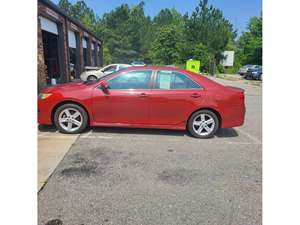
131 80
174 80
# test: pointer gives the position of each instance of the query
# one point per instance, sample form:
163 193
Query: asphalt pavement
147 176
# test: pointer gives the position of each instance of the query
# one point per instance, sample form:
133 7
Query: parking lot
148 176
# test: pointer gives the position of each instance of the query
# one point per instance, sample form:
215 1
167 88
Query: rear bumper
233 117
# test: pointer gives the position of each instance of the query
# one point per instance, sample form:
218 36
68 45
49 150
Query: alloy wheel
70 119
203 124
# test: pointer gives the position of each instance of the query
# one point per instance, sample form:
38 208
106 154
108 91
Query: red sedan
145 97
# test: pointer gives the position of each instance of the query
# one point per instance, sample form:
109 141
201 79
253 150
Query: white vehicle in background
96 74
138 63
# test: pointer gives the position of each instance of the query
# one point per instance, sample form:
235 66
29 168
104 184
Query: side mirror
104 86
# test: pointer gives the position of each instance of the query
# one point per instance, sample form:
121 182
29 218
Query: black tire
91 78
196 114
84 115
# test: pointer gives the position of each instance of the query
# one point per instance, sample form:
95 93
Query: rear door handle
195 95
142 95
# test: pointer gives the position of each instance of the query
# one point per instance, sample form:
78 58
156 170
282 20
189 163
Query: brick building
65 46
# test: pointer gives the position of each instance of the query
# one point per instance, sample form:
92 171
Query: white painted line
56 137
87 134
241 143
256 140
97 137
173 139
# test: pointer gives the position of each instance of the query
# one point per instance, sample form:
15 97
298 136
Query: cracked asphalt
139 176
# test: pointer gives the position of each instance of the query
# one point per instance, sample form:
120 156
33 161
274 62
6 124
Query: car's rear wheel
92 78
203 124
70 118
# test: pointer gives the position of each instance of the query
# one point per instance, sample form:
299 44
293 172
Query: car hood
93 72
66 86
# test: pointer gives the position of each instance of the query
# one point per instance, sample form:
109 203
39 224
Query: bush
220 69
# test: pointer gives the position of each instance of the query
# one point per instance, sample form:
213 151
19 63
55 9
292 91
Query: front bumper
44 113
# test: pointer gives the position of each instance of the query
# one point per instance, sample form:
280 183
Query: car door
126 100
175 95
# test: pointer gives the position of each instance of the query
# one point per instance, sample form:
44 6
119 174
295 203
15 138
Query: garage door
48 25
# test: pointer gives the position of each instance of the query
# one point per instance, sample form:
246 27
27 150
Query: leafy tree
208 26
250 42
79 11
170 37
201 52
66 6
106 56
165 49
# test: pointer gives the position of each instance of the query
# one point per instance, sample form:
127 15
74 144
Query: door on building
95 54
50 45
85 53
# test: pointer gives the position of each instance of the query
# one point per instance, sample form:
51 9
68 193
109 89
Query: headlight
44 95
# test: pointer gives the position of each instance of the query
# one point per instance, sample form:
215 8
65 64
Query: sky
237 12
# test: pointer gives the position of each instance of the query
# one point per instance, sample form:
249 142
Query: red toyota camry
145 97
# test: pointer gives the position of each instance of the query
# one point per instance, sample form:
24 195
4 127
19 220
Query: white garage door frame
49 25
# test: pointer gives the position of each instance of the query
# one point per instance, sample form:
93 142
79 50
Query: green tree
208 26
169 37
250 43
165 49
66 6
80 11
200 52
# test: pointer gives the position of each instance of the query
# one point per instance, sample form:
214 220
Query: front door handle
195 95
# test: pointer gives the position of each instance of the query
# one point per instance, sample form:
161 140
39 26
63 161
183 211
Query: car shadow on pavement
226 133
148 131
221 133
47 128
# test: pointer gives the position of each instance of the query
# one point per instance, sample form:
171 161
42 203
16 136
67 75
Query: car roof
114 64
205 81
153 68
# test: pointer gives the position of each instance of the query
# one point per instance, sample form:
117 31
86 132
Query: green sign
193 65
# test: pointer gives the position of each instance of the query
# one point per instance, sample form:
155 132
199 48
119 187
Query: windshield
100 78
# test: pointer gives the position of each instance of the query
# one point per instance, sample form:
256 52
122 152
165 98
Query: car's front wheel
70 118
203 124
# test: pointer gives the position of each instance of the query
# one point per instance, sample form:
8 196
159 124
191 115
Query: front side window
174 80
131 80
